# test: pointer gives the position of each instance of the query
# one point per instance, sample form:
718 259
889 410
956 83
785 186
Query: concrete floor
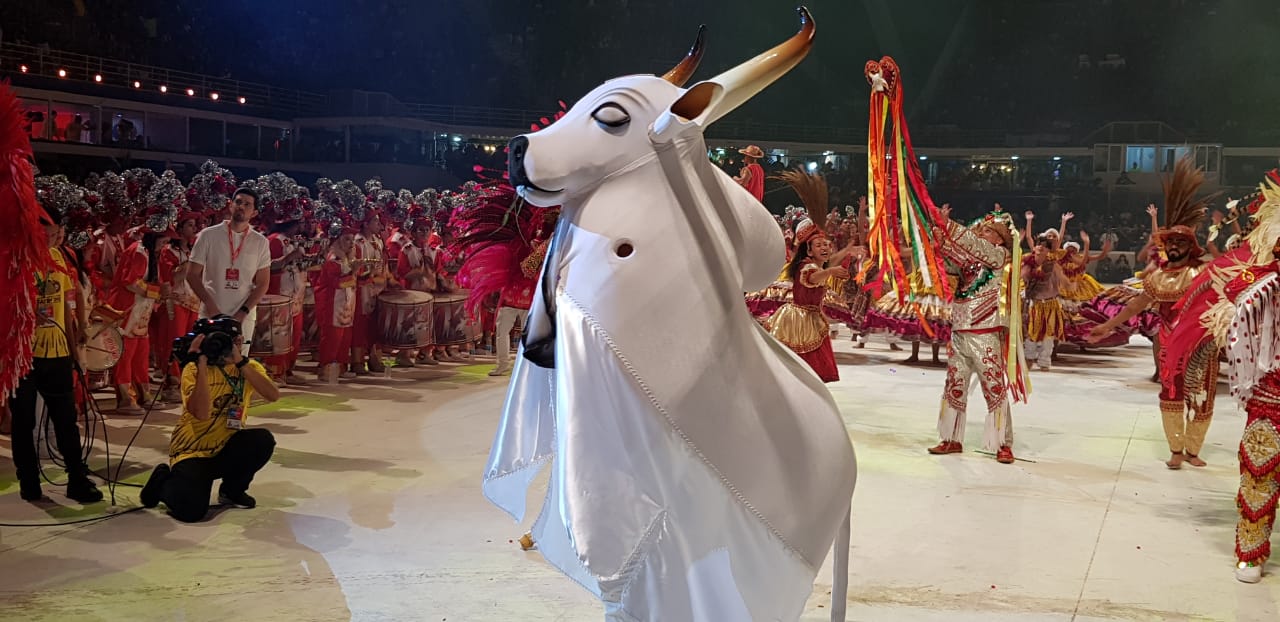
371 511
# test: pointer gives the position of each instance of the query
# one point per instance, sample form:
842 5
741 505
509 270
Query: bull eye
610 114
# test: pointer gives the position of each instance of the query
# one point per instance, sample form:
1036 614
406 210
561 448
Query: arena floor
371 510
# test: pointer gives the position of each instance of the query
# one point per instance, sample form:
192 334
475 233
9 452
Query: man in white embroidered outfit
984 331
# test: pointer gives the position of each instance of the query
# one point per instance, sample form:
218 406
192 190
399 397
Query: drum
103 347
273 332
452 326
310 328
403 319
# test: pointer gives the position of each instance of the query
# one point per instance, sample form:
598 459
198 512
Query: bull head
618 124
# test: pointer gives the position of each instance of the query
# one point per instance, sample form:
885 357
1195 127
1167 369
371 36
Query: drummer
415 271
289 279
446 265
133 295
179 305
372 276
335 294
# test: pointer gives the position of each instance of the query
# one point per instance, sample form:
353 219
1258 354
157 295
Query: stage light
191 92
242 100
1013 157
164 89
1056 158
213 96
97 77
813 166
62 73
923 158
23 68
137 85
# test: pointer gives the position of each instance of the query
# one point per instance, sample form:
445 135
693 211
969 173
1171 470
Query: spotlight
1057 158
191 92
1013 157
62 73
164 89
97 77
813 166
923 158
242 100
137 85
23 68
213 96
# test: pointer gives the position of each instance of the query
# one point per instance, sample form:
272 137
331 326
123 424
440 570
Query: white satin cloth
700 470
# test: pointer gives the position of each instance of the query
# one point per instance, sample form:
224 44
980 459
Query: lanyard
237 388
235 250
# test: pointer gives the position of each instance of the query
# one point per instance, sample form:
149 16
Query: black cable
90 433
78 521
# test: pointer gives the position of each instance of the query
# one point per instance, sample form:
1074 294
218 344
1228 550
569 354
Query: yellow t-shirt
193 438
52 290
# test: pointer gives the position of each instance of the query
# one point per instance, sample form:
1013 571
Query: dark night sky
1201 65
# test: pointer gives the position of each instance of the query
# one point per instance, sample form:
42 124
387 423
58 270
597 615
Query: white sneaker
347 375
500 371
296 380
1246 573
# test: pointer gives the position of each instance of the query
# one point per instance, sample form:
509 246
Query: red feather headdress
24 249
495 236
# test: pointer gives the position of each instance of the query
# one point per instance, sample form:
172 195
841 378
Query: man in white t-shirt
231 264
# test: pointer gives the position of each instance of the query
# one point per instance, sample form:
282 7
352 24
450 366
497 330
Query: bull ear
707 101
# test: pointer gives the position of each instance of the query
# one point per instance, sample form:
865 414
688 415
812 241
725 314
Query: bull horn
708 101
689 64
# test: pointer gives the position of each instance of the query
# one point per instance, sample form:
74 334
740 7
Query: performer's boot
1249 572
375 360
1005 455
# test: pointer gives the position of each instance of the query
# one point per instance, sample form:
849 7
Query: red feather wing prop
23 247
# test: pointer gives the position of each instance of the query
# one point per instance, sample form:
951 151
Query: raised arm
1062 230
1027 234
962 246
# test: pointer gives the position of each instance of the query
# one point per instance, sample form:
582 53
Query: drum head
102 349
405 297
273 300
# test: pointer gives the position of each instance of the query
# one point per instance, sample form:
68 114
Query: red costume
136 310
800 324
335 292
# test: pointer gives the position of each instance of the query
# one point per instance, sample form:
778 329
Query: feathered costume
502 240
1188 363
800 324
1233 304
24 251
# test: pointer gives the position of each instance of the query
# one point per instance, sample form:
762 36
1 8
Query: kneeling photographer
210 441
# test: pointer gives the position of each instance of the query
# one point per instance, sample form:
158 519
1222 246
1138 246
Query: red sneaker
1005 455
946 447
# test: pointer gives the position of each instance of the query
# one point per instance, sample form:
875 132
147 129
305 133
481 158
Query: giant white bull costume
702 470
